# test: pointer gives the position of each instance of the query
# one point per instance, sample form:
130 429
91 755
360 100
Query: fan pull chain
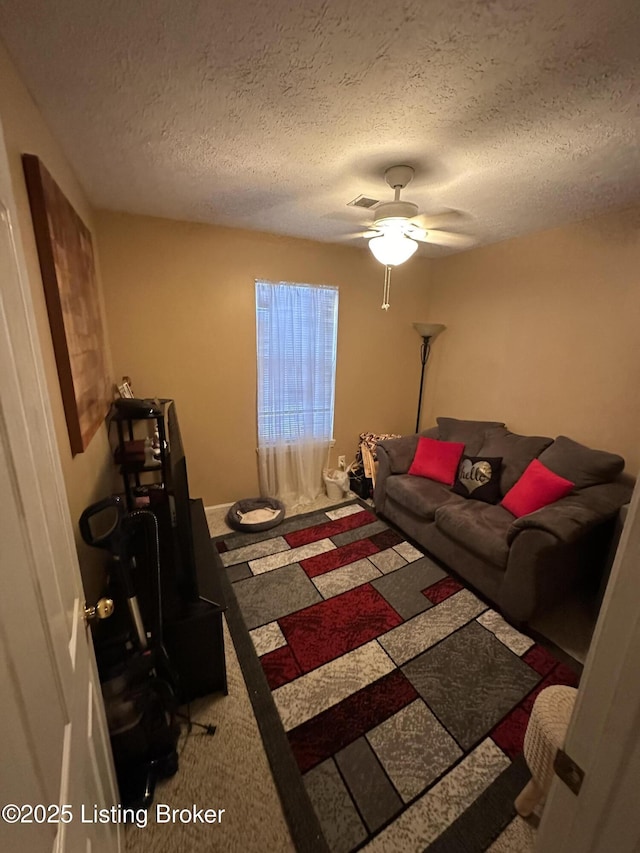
387 289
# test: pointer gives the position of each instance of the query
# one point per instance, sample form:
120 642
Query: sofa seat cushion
480 527
420 496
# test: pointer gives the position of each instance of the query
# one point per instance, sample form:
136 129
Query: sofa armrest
540 571
384 470
395 456
400 451
569 518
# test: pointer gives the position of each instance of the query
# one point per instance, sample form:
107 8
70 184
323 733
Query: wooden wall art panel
68 270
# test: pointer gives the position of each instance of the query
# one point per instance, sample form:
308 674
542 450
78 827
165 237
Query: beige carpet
230 771
227 771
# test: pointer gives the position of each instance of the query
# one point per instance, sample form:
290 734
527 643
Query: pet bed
255 514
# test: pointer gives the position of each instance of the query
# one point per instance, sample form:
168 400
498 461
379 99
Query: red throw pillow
437 460
537 487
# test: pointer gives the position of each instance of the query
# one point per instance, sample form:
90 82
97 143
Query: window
297 326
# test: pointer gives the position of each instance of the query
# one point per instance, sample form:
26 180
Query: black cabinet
195 642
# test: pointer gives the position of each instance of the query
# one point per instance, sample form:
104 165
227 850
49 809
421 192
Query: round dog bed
255 514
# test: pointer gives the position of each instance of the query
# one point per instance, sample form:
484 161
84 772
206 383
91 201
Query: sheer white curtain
297 327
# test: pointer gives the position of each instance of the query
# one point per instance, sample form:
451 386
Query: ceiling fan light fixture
392 249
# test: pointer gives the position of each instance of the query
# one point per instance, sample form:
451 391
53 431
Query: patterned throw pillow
479 478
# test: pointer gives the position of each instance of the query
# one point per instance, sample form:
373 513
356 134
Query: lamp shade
392 249
429 330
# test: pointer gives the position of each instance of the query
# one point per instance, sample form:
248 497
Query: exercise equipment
138 684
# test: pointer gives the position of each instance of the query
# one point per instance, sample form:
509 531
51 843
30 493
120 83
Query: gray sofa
523 564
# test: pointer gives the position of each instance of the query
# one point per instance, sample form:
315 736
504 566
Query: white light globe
392 249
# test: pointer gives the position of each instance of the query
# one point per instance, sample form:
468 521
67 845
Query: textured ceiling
273 115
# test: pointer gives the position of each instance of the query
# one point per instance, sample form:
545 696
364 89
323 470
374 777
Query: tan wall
181 315
88 475
543 334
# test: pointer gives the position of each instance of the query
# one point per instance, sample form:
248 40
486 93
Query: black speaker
195 645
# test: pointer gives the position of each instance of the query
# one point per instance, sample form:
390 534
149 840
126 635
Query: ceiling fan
397 228
400 219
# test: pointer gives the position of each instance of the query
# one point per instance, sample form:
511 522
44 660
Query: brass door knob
102 610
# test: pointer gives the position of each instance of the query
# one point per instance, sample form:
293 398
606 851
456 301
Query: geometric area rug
392 700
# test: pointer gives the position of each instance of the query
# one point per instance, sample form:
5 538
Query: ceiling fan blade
447 238
437 220
358 234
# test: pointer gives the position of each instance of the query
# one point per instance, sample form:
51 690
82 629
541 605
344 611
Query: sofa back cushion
584 466
469 433
517 452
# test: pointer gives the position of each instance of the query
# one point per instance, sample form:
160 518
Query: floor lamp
427 331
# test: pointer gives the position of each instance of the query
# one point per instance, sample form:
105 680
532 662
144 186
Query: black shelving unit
131 471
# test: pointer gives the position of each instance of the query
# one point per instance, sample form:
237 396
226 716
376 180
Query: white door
55 748
604 733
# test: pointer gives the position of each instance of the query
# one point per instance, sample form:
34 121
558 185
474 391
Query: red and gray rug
402 696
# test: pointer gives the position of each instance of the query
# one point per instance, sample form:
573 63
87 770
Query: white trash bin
336 483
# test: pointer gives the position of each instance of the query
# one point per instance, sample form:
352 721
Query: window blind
297 328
